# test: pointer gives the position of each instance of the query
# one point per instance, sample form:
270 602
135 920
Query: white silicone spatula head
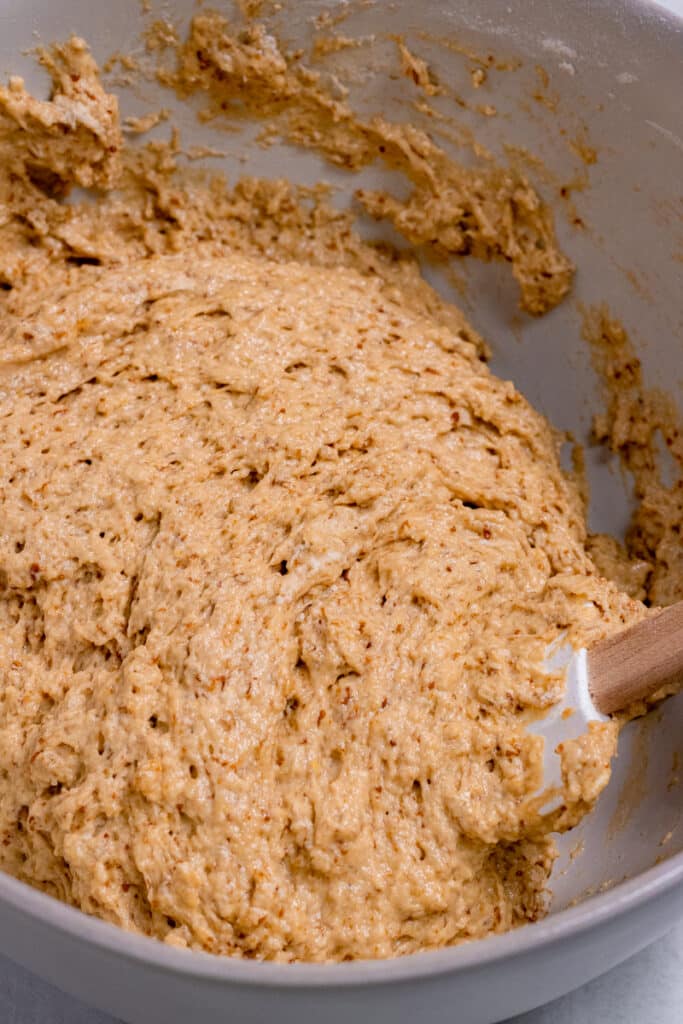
615 673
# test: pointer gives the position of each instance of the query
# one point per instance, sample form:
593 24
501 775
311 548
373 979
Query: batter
280 560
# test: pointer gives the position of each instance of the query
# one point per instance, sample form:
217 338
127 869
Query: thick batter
280 560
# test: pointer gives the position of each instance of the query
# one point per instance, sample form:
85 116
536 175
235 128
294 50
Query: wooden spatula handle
635 664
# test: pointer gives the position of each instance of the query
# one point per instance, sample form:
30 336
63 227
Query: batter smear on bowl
280 559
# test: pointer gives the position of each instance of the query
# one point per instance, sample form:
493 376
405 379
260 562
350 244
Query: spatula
610 676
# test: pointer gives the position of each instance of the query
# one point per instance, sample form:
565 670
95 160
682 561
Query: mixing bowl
604 113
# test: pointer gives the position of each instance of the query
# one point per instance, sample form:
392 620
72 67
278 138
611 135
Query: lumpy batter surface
280 560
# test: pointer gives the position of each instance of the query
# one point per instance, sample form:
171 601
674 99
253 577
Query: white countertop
647 989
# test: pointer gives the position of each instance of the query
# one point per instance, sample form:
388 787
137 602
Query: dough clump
279 565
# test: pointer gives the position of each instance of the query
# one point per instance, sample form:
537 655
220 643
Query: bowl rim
66 920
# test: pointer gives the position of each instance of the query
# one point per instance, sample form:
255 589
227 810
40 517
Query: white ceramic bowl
617 70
